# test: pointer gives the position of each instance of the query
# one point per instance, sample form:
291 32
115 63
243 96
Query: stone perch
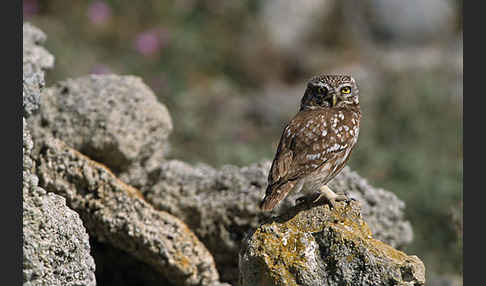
319 246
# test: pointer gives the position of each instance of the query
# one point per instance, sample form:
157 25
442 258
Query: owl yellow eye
346 90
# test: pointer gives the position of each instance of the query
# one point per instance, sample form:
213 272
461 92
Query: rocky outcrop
319 246
55 244
222 205
219 205
100 150
116 213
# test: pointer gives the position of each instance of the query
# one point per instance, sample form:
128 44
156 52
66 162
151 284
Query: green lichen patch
323 246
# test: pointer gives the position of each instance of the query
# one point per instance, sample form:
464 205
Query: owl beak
334 100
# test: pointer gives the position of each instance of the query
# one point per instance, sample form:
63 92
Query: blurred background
232 74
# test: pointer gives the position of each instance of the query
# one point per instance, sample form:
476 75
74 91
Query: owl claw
331 198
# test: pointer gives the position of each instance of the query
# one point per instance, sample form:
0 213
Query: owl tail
274 195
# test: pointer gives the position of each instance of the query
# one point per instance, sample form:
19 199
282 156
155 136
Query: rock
36 60
116 213
27 146
56 248
55 244
220 206
319 246
115 120
383 211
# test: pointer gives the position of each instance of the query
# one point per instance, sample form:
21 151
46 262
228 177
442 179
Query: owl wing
304 146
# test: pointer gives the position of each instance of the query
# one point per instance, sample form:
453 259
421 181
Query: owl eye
345 90
321 90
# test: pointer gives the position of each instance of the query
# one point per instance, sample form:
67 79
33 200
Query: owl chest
326 146
323 134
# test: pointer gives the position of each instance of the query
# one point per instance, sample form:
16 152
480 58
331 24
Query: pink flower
99 13
151 41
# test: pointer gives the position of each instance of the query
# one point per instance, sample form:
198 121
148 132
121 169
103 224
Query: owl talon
332 197
328 195
332 203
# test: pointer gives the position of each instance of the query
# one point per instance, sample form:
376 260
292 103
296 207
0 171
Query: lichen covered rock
320 246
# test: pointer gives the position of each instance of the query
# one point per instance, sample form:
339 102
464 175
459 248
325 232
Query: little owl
316 144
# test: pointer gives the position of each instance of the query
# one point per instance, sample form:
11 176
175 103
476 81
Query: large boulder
317 245
113 119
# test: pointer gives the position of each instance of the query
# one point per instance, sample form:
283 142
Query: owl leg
331 196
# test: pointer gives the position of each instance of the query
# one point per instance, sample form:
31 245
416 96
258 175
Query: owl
316 144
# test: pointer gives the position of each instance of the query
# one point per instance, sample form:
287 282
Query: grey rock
29 179
55 244
218 205
36 60
56 248
33 52
116 213
316 245
221 206
27 146
115 120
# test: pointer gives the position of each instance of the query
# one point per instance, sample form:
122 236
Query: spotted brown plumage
316 144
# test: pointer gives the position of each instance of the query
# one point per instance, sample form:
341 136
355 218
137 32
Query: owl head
330 91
